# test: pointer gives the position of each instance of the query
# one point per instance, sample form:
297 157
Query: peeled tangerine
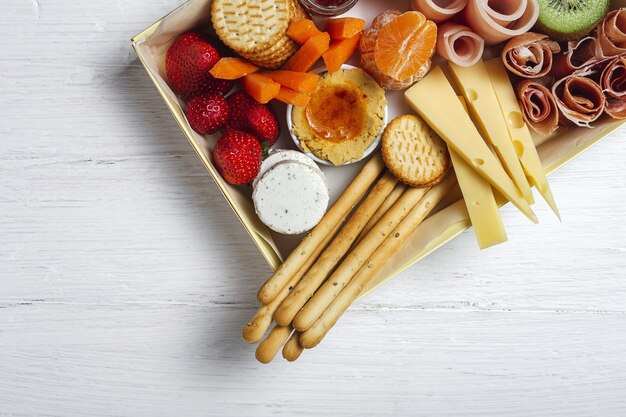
397 48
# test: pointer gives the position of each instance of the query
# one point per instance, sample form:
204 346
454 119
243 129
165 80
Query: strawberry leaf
265 145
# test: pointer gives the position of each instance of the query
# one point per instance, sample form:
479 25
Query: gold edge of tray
602 133
271 257
459 227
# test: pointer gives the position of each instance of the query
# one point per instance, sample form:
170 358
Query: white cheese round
291 197
284 155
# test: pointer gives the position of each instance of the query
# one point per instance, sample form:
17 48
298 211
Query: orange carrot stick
304 82
232 68
289 96
309 53
344 27
302 30
261 88
340 51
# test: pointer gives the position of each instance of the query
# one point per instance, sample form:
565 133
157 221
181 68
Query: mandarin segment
367 47
405 44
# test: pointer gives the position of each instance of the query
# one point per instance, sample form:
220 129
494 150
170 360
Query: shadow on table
135 90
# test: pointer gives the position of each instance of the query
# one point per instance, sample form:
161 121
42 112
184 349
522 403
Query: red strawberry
250 116
239 103
262 122
217 85
207 113
237 156
187 64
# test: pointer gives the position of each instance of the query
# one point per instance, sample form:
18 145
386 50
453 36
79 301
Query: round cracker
252 25
273 50
413 152
274 57
268 64
297 11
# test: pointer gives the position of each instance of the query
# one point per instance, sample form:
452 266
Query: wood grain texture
125 280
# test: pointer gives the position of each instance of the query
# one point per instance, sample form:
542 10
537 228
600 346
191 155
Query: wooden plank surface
125 280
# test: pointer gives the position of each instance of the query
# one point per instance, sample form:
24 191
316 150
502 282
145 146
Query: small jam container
327 8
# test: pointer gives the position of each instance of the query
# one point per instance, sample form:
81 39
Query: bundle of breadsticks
338 259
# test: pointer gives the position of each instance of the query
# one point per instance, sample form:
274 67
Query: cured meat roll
538 107
457 43
579 55
529 55
438 10
579 99
497 21
612 33
613 83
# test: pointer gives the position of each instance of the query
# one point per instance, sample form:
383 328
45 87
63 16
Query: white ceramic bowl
367 152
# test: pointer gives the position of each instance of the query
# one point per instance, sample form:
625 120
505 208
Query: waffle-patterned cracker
413 152
275 56
250 26
257 29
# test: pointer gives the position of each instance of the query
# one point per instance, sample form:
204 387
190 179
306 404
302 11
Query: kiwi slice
568 20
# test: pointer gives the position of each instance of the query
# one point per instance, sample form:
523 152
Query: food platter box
445 222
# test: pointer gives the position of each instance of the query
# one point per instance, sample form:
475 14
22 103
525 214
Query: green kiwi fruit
568 20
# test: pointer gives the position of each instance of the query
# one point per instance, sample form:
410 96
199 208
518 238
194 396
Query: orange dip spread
337 112
343 117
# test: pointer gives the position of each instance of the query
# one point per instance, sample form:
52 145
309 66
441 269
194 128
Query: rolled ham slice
438 10
579 56
613 83
538 107
498 20
612 33
530 55
457 43
579 99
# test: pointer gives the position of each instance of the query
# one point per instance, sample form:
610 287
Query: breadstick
344 204
334 252
293 349
258 325
268 348
361 280
356 258
389 202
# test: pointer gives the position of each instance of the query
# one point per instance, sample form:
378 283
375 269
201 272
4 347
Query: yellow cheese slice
483 104
480 202
518 131
435 100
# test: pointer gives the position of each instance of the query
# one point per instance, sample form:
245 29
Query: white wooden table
125 280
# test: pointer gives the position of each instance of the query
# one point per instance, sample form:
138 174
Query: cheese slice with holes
435 100
480 202
518 131
483 104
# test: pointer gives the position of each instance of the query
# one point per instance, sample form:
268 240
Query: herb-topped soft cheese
291 197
